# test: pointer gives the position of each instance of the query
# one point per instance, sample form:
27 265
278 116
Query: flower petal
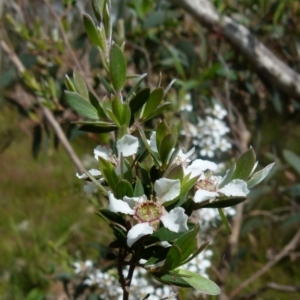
132 201
175 220
89 187
236 187
202 195
152 142
93 172
128 145
138 231
101 151
116 205
198 166
167 189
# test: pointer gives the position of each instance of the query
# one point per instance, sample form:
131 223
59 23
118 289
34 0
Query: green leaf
199 282
91 30
113 217
174 172
220 203
81 106
173 258
227 177
69 84
98 6
260 176
135 86
161 131
167 144
95 102
80 85
196 253
138 188
117 108
156 256
153 102
187 184
224 220
98 129
139 100
170 278
164 234
244 165
144 139
159 110
187 243
292 159
124 188
106 85
117 67
109 173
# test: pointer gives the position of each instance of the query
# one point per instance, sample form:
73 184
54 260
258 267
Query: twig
271 285
256 53
66 41
47 113
285 251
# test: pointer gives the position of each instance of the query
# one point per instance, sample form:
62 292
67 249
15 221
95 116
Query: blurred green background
47 222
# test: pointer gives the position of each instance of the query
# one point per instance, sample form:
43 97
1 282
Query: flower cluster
107 285
209 135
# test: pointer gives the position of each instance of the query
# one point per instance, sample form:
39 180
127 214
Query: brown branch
271 285
47 113
285 251
256 53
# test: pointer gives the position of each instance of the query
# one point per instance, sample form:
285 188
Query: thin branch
47 113
66 42
271 285
256 53
285 251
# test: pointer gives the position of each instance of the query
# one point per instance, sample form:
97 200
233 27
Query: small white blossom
149 212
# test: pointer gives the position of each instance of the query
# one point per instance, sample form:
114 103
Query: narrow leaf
95 102
69 84
117 67
167 144
173 258
81 106
260 176
159 110
244 165
80 85
91 30
153 102
109 173
106 85
139 100
224 220
135 86
199 282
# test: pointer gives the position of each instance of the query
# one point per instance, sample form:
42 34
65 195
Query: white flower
149 213
208 188
127 145
93 172
82 267
198 166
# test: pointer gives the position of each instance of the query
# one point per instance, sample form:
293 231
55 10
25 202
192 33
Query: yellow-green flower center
148 211
207 185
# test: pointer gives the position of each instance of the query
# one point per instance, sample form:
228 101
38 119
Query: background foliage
47 222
